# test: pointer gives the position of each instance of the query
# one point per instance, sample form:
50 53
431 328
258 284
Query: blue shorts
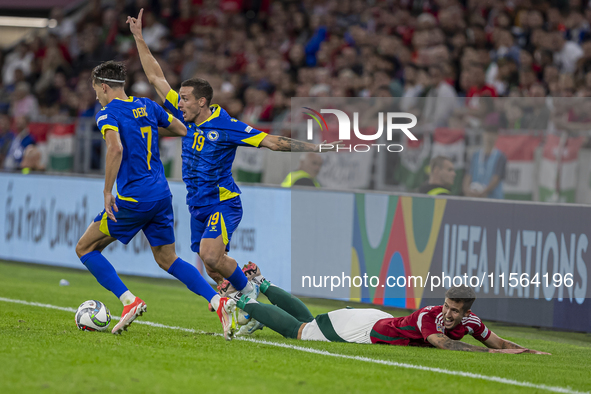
155 218
215 220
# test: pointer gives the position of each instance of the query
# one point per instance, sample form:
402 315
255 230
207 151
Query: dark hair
437 162
201 88
463 294
110 73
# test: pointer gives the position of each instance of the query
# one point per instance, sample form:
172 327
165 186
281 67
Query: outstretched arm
496 342
284 144
149 63
441 341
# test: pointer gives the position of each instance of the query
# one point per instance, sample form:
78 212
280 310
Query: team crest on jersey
213 135
440 327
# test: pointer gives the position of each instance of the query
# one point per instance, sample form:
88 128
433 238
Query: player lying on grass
440 326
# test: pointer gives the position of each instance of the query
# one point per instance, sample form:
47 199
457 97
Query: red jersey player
441 326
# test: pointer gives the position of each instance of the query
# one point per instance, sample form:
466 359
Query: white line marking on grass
495 379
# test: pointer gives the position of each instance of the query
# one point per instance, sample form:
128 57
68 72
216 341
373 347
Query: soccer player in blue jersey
143 202
208 151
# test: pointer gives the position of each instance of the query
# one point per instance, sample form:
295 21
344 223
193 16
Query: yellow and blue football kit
208 152
143 196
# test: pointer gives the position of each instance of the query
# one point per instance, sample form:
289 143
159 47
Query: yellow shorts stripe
104 227
224 231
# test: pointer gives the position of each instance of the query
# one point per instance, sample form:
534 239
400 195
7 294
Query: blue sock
104 272
192 278
238 279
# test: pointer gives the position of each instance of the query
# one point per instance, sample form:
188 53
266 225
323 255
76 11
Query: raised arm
441 341
149 63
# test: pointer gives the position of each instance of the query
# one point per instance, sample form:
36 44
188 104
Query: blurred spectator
20 59
6 137
23 103
415 82
503 75
484 177
65 26
441 177
22 145
281 114
479 88
441 98
153 32
305 175
566 53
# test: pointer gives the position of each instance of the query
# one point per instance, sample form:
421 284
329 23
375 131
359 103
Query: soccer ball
93 315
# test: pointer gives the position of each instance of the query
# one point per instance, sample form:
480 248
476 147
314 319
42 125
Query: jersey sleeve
241 134
163 118
106 120
172 104
477 328
426 324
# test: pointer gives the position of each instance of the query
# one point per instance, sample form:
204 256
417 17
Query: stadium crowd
258 53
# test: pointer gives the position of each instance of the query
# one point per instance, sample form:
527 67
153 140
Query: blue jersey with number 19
141 175
208 153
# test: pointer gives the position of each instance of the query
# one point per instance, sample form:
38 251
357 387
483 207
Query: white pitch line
495 379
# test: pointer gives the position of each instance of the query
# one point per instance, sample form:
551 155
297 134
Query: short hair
201 88
111 73
464 294
437 162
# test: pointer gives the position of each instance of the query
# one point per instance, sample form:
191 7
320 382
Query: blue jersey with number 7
141 175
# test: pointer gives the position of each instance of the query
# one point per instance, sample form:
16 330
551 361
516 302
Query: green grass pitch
42 351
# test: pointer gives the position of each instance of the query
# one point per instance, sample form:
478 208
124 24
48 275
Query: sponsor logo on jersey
213 135
103 117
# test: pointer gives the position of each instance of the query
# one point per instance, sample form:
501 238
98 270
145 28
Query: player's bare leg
89 249
217 277
164 255
93 239
213 254
215 259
